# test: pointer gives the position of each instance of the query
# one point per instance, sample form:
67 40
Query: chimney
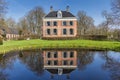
51 8
67 8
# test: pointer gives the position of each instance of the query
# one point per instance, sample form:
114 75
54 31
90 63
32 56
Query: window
55 54
65 54
64 31
65 62
49 63
55 31
71 23
71 54
71 31
64 23
48 31
55 62
48 54
71 62
55 23
48 23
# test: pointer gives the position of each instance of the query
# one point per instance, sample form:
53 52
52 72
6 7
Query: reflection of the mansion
60 62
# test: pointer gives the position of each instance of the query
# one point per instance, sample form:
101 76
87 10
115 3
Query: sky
19 8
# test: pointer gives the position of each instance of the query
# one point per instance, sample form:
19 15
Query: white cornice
60 19
65 67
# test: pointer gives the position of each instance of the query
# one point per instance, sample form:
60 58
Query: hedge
59 38
89 37
94 37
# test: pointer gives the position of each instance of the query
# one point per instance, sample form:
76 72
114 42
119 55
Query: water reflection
6 61
60 64
112 64
2 74
33 59
60 61
85 57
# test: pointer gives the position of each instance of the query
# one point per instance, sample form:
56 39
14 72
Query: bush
1 41
94 37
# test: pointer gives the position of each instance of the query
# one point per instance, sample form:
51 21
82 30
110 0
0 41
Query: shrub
1 41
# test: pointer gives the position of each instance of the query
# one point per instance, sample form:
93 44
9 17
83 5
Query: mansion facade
59 24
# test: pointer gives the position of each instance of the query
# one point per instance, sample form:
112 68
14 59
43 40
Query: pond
60 64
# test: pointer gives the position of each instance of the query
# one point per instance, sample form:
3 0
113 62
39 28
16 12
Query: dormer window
59 14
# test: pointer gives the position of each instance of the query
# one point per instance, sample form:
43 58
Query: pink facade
60 30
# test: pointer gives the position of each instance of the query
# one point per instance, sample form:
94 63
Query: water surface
60 65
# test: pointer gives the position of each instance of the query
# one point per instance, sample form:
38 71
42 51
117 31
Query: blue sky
18 8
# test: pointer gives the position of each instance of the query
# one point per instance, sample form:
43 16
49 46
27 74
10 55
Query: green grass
37 43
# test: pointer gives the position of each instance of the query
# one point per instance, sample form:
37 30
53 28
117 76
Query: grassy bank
34 44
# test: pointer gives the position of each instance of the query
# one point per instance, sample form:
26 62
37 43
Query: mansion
59 24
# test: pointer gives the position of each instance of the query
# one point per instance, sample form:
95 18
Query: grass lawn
37 43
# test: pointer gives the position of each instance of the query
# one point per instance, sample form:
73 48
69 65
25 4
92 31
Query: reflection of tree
113 66
3 76
2 66
84 58
34 60
6 61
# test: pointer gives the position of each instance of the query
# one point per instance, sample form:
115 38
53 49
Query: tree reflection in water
33 59
2 74
85 57
6 61
112 64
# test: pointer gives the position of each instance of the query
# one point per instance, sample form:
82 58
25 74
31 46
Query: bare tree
103 29
11 23
3 25
31 23
3 7
84 23
23 26
116 11
108 18
34 18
